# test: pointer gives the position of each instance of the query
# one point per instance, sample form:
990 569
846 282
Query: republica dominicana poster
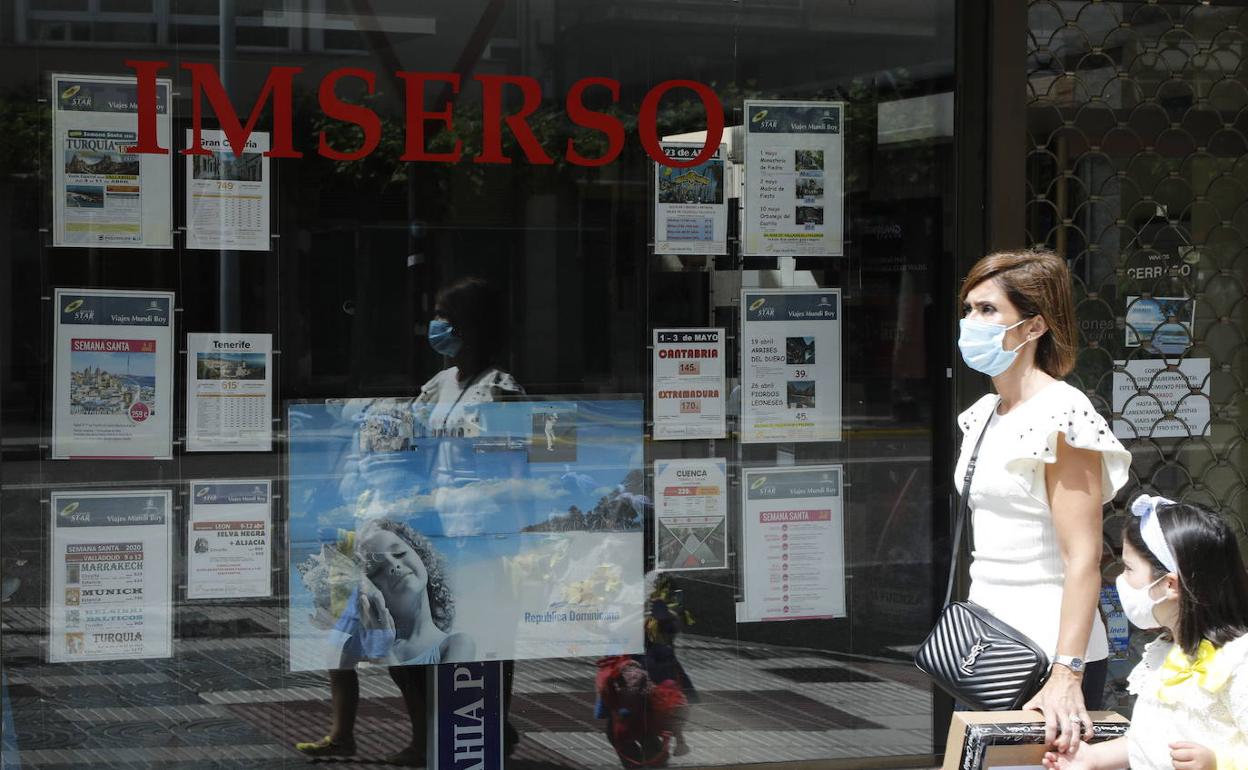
519 536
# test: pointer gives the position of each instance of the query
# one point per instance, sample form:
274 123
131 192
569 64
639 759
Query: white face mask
1137 605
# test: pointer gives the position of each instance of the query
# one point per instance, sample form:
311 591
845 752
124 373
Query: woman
467 329
1047 465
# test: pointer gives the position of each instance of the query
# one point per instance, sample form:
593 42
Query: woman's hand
1066 718
1192 756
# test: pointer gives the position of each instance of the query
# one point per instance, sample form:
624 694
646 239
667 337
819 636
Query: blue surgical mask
980 343
442 338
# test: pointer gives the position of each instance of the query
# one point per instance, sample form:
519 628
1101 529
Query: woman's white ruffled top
1017 570
1202 700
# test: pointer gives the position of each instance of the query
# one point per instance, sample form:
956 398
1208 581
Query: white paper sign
104 196
110 577
689 384
229 540
790 365
1156 400
691 514
113 387
690 203
227 196
794 543
794 178
229 392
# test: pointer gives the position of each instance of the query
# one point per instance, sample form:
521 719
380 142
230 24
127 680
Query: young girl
1184 573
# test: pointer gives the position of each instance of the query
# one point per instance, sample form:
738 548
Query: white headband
1145 508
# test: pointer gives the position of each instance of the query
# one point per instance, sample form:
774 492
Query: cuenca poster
519 536
690 204
794 179
103 195
229 539
793 530
227 195
689 384
113 374
109 578
229 392
691 514
790 365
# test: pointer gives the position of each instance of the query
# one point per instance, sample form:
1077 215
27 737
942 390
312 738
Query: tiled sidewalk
230 703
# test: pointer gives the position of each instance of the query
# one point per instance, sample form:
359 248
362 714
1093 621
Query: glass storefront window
228 361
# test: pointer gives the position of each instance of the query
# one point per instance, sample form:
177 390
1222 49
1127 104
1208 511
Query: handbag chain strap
964 505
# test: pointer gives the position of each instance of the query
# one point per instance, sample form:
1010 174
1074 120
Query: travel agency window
342 338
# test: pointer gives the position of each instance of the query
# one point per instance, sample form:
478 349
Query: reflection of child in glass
402 610
467 329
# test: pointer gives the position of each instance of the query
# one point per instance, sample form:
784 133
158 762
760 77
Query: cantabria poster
689 384
519 536
794 179
110 576
104 196
113 384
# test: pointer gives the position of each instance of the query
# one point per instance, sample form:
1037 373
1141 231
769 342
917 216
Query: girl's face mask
980 343
1137 605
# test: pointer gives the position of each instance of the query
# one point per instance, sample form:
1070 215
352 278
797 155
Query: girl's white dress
1203 701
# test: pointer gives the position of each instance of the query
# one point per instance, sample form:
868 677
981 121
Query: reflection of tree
620 510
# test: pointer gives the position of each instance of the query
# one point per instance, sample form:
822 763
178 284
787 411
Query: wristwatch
1069 661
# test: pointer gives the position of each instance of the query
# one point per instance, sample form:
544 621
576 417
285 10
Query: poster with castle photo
113 380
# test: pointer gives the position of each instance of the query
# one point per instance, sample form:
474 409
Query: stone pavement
230 702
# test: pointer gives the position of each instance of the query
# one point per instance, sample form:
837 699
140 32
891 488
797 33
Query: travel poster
691 514
103 195
227 195
790 365
229 392
109 578
690 203
113 383
794 179
519 536
689 384
229 539
793 530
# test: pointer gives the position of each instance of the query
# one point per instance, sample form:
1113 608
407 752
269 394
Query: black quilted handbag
983 663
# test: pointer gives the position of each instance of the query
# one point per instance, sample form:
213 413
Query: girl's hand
374 615
1081 759
1066 718
1192 756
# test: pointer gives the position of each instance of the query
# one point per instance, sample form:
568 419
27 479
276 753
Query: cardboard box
1010 740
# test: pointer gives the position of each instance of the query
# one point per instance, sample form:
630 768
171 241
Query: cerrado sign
279 87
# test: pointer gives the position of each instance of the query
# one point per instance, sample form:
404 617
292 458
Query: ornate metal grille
1137 172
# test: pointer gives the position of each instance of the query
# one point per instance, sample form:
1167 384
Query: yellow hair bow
1206 672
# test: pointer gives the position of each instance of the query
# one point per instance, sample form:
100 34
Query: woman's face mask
980 343
442 338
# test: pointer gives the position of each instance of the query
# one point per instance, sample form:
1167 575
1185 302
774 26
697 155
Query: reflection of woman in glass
401 611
